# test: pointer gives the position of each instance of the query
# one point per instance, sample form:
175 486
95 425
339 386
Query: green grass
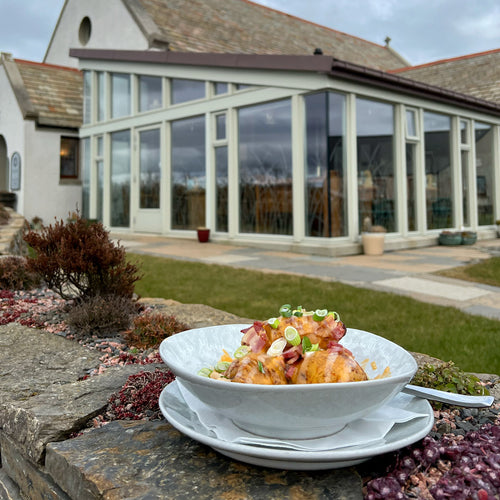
486 271
472 342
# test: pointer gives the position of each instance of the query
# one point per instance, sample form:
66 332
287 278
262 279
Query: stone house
271 130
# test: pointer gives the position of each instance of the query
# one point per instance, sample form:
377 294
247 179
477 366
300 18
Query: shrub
15 275
150 328
101 315
78 260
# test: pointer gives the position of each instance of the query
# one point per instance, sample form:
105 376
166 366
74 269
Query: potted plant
372 238
450 238
203 234
469 237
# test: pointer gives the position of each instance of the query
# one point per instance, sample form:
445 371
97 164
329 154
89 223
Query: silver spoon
449 397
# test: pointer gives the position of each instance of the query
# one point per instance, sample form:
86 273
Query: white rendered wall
112 28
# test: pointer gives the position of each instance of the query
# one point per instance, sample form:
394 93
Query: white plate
176 411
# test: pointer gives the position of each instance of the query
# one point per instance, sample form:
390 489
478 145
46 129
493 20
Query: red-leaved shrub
15 275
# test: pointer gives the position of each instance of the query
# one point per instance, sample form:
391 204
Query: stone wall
11 235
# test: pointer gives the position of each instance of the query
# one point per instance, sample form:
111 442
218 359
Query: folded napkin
362 432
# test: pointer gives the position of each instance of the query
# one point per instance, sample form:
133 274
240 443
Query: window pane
465 187
101 96
100 188
484 171
86 178
149 169
187 90
411 151
438 173
149 93
69 157
265 168
221 194
188 173
87 96
120 95
220 127
325 137
375 131
464 132
221 88
120 179
411 124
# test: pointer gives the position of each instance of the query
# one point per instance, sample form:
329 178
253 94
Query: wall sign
15 172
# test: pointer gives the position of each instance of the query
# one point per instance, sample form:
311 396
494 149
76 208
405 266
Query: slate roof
55 93
475 74
244 27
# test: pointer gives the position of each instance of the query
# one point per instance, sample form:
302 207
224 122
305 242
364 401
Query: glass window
265 168
411 123
87 97
149 168
149 93
464 132
86 178
438 173
120 95
221 88
187 90
464 160
325 186
375 139
69 158
221 170
220 127
188 173
120 179
99 161
101 96
411 154
484 173
242 86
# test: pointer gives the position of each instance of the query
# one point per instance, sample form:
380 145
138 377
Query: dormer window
85 30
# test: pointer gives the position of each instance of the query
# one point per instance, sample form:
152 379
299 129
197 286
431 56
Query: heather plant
150 328
78 260
15 275
102 316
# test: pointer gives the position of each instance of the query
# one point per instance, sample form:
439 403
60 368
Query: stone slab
32 360
152 460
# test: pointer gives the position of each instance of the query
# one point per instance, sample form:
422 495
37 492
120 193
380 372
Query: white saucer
178 413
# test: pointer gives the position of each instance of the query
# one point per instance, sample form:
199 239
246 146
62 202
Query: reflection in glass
149 168
465 187
438 180
87 96
411 151
221 88
265 168
100 177
411 123
325 187
101 96
220 127
221 201
187 90
464 132
120 179
375 137
188 173
120 95
149 92
86 178
484 171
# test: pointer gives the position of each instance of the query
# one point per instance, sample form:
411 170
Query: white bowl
299 411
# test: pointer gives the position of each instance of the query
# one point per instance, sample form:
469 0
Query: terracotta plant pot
203 234
373 243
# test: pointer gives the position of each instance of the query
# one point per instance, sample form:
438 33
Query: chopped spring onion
277 347
205 372
320 314
222 366
273 322
241 352
261 367
286 310
306 344
292 335
298 312
335 315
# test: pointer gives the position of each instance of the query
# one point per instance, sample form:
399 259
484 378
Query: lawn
486 271
472 342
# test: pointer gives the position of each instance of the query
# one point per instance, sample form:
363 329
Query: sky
420 30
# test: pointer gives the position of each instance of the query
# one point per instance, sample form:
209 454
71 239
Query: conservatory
290 152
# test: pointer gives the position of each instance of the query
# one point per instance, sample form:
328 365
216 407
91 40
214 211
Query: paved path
406 272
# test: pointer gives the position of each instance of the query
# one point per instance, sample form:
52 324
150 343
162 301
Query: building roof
312 63
244 27
475 74
51 95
